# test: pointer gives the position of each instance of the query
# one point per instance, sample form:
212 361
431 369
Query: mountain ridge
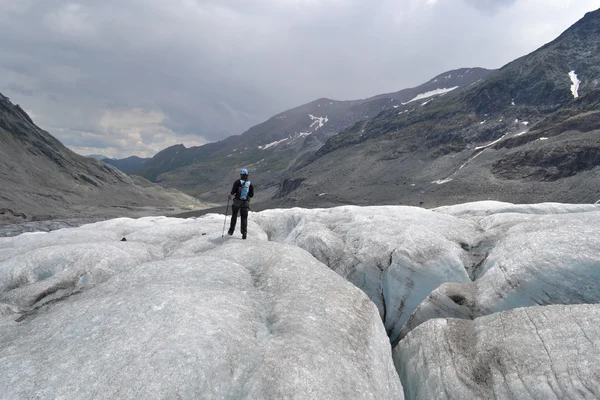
282 142
128 164
537 133
46 180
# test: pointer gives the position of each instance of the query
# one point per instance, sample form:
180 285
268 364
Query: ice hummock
497 296
528 353
177 311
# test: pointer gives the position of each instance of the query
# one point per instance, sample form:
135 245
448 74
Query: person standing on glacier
242 191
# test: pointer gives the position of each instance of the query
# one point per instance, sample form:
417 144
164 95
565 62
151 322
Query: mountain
97 156
528 132
42 179
284 141
127 165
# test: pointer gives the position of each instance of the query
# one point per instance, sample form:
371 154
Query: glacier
547 352
478 300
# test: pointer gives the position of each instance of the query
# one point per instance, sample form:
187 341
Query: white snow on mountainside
272 144
431 93
479 300
575 82
318 121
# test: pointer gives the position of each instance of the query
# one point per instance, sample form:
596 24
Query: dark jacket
236 190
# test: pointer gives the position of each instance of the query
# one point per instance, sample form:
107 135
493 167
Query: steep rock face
551 161
562 145
42 179
288 186
526 133
283 142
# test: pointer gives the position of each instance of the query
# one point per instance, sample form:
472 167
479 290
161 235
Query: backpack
244 189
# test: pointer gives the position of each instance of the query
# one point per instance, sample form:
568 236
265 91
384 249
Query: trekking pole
225 222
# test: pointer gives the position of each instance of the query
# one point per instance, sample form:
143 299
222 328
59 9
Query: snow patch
431 93
491 144
575 86
272 144
318 120
256 163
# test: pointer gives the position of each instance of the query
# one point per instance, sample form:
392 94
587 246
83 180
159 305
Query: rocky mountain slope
42 179
127 165
529 132
284 141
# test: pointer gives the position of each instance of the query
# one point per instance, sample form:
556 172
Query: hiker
241 192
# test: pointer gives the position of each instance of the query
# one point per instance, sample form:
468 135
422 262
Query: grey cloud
214 68
490 6
19 89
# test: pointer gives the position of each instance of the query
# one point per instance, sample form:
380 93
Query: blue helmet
244 171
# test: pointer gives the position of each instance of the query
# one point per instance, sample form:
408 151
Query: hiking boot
230 232
243 236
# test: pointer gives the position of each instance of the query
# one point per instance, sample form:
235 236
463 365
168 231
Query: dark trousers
242 206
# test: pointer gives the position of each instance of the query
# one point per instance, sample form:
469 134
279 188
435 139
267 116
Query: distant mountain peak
97 156
285 140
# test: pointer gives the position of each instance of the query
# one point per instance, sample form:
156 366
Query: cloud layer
123 77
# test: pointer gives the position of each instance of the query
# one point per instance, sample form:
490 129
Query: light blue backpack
245 189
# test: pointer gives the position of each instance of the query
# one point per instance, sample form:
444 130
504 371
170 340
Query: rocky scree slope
42 179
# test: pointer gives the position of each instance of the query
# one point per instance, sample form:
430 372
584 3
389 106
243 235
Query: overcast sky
132 77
